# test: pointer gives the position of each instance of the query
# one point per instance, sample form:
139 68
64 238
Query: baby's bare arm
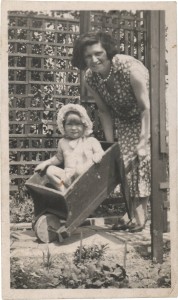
97 151
54 161
42 166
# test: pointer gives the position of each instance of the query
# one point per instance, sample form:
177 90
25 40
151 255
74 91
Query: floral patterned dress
122 103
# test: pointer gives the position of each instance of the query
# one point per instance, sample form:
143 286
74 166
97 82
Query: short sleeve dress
122 103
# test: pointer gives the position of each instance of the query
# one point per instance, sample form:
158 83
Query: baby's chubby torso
78 154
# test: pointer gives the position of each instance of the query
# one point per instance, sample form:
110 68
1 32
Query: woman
120 87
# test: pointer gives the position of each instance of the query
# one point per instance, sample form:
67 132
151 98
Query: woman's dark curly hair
89 39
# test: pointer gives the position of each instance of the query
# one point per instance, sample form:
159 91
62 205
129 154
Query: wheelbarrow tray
84 195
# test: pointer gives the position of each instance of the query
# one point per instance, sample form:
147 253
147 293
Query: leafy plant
91 269
95 252
47 258
21 210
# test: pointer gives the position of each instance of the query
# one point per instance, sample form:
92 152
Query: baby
77 150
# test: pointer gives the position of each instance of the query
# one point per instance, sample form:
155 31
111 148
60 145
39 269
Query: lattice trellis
41 77
129 29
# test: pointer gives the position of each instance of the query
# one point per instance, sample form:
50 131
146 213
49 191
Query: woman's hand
142 148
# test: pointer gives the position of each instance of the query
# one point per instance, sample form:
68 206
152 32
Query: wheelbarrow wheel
46 226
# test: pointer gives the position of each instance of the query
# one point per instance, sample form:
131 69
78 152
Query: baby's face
73 126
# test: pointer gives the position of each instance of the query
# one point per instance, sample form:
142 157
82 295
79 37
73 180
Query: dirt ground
32 273
126 262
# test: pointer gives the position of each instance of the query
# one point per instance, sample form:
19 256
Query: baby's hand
97 158
41 167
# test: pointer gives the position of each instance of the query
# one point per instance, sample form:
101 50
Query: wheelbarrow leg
62 234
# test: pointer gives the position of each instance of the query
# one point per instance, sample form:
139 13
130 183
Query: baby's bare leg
55 175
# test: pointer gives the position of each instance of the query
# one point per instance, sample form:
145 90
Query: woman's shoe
124 226
138 228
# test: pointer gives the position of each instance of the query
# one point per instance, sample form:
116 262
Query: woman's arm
142 95
104 114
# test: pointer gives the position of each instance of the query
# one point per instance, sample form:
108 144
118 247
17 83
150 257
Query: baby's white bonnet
81 111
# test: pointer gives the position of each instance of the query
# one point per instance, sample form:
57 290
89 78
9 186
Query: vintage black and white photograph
88 202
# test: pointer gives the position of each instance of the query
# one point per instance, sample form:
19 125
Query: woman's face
73 126
96 58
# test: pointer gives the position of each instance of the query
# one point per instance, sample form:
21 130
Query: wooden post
84 21
163 132
157 96
84 27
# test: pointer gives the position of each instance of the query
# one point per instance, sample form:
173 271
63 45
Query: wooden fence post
84 27
156 40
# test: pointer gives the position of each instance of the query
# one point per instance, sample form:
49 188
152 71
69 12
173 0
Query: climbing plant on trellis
128 28
41 79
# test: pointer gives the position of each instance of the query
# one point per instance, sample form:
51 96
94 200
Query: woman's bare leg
141 211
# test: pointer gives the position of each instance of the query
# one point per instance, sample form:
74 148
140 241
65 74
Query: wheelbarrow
57 214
